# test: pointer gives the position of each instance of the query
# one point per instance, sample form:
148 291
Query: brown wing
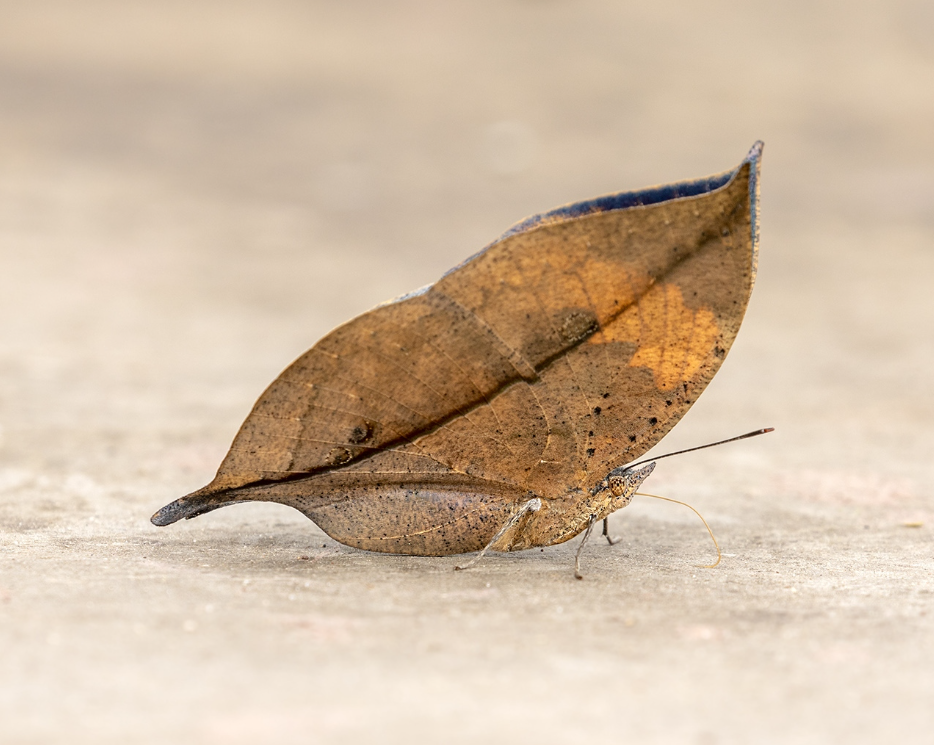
568 347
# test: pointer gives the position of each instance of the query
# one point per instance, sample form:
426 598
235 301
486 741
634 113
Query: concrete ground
192 193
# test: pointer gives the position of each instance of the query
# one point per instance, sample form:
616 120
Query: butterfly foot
611 539
577 558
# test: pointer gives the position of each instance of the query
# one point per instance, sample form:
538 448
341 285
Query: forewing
568 347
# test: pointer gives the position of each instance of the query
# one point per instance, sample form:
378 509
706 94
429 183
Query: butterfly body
530 372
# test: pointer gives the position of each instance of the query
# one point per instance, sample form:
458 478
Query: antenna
701 447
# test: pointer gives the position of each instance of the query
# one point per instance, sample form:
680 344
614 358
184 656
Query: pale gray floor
191 194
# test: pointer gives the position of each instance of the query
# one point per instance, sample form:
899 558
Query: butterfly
498 407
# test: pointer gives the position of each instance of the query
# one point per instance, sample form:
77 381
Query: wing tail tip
172 512
191 505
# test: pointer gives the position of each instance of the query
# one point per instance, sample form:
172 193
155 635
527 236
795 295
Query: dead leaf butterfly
497 407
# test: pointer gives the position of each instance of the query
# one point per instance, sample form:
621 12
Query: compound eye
618 485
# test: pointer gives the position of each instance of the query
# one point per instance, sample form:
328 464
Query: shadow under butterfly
497 407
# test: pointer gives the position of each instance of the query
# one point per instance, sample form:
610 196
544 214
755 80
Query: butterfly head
623 482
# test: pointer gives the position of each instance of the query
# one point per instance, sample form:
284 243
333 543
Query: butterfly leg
533 505
577 558
611 539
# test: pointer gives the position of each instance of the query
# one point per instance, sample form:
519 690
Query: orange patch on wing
671 340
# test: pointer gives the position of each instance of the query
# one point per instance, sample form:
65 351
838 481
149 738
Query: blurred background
192 193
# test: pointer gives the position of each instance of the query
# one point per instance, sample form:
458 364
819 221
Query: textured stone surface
194 193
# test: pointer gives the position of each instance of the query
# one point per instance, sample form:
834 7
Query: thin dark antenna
701 447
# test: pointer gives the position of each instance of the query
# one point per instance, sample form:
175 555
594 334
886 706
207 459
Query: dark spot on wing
361 433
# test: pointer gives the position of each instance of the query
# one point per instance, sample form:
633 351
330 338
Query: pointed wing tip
754 159
755 152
